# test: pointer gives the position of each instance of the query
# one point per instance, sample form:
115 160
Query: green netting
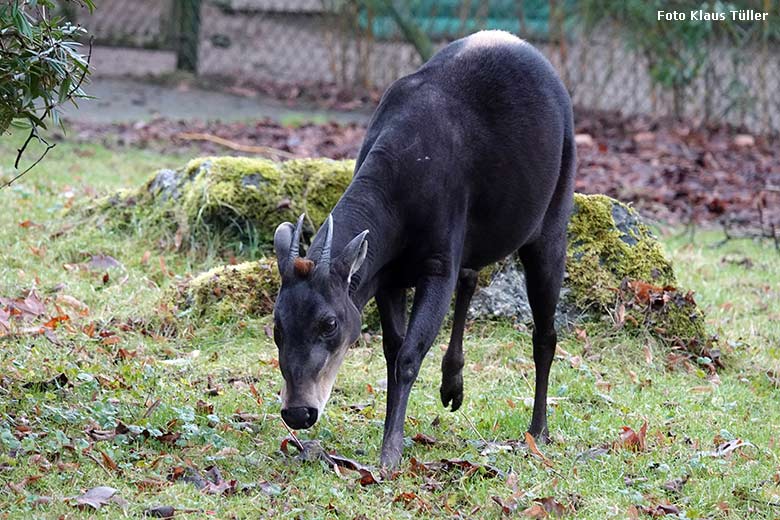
451 19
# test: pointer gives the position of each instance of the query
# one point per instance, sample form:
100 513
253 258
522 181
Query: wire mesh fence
729 75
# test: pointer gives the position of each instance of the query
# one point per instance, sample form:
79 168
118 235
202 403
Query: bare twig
260 150
96 461
293 437
151 408
49 146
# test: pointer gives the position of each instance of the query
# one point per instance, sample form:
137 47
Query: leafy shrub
41 65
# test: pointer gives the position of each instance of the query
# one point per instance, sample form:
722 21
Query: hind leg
452 363
544 263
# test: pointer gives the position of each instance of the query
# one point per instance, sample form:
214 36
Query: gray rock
165 184
505 297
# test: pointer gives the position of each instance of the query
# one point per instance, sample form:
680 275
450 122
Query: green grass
608 382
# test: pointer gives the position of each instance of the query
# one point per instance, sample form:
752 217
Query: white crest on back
490 38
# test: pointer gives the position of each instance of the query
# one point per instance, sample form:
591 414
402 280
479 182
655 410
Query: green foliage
41 64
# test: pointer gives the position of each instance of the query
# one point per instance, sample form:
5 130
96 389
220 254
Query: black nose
300 417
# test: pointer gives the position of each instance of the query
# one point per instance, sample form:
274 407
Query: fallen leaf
160 512
676 485
95 498
227 451
406 497
593 453
632 440
507 506
444 465
424 439
164 268
534 449
54 383
168 437
18 487
26 308
203 407
535 511
150 484
726 448
55 321
102 262
77 305
5 321
42 500
124 354
29 224
269 488
108 461
312 451
660 510
216 485
89 330
554 507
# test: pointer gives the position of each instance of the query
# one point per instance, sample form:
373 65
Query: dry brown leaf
108 461
533 448
75 304
633 440
425 440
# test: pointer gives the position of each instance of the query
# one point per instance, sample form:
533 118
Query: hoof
389 462
452 392
542 437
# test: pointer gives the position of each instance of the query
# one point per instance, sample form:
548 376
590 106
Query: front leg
391 304
431 301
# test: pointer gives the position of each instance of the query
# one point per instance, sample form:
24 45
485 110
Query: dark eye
329 326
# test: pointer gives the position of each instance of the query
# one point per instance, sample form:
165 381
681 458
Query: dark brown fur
303 267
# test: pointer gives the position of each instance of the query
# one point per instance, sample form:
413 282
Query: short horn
296 239
324 260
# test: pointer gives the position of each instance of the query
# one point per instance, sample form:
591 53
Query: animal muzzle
300 417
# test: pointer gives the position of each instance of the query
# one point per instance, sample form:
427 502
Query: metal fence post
186 25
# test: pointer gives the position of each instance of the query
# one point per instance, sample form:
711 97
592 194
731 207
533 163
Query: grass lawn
210 399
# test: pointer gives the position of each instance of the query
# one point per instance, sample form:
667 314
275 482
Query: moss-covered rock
609 243
615 269
616 266
212 197
611 251
227 293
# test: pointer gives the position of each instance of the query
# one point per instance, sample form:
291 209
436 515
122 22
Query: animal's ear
351 258
282 241
286 238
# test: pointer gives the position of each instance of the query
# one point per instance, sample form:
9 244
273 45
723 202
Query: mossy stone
241 197
227 292
609 243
